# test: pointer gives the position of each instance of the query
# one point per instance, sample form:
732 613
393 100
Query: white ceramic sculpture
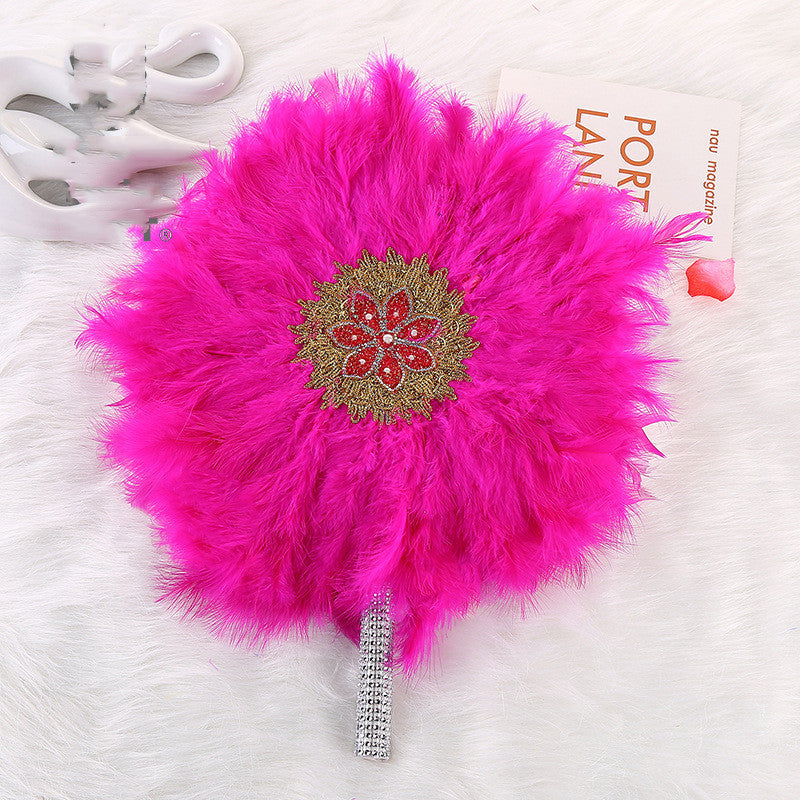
101 166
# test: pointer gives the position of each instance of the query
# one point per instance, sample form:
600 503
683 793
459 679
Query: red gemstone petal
420 329
398 307
390 371
350 335
417 358
358 364
364 310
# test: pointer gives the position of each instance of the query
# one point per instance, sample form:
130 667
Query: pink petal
390 371
711 278
398 307
420 329
419 359
350 335
359 363
365 311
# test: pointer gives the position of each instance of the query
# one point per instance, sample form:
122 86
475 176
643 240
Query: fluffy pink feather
278 513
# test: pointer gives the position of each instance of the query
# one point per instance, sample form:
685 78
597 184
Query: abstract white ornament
99 168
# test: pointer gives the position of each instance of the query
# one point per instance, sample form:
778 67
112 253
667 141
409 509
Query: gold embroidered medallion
385 337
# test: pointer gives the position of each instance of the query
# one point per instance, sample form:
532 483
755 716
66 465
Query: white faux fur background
674 674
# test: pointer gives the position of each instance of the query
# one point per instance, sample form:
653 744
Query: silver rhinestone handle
374 714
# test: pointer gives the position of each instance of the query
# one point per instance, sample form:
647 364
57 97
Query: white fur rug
675 673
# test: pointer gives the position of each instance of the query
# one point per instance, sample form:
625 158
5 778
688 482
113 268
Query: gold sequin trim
367 395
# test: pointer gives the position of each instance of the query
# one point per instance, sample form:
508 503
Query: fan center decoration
385 338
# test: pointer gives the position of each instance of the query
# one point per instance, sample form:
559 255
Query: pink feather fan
387 347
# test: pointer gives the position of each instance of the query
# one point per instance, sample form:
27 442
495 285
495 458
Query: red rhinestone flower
385 338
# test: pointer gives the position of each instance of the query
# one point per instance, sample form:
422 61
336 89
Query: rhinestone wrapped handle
374 713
